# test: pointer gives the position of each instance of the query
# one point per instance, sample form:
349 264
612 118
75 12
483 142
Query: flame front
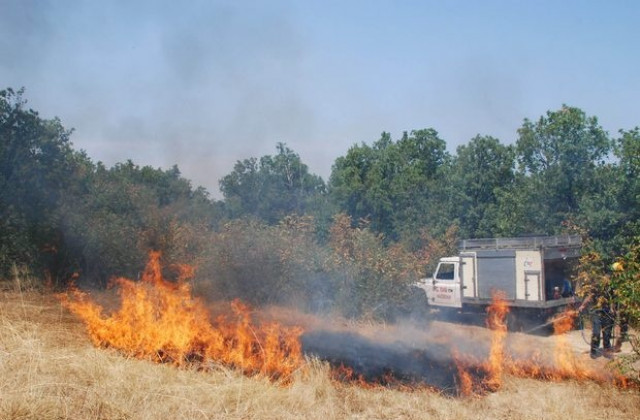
564 363
161 321
496 321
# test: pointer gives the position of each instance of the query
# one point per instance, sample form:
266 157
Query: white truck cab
446 284
453 279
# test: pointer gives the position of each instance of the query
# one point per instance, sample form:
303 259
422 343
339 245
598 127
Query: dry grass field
50 370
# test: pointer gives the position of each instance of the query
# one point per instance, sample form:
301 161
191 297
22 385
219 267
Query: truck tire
514 321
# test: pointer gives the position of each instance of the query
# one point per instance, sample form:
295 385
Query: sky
204 84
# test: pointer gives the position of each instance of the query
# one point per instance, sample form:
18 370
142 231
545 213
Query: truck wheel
514 322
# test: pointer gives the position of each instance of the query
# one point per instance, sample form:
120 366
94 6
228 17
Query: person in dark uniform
623 318
600 305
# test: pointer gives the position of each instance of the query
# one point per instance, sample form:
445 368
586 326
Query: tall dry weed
20 280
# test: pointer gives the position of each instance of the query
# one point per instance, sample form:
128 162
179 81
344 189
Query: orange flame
496 321
465 379
161 321
564 358
565 364
342 373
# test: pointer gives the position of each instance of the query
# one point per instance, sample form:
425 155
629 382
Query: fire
564 364
564 358
161 321
464 376
343 373
496 321
479 377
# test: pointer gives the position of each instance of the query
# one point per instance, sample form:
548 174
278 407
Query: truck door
468 274
532 285
446 285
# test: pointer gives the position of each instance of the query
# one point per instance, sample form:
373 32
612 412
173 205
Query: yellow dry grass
50 370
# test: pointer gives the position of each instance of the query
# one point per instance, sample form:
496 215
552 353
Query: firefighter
624 331
623 318
599 302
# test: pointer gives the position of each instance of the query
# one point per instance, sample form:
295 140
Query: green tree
420 188
349 183
481 170
35 169
518 210
628 151
123 212
558 156
272 187
397 187
611 211
290 186
242 188
626 282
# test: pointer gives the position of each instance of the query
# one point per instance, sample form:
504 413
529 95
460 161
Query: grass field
50 370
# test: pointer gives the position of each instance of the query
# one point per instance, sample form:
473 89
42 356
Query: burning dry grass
161 321
50 370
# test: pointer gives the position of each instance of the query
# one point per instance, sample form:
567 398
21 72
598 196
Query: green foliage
34 172
517 212
372 279
390 211
628 182
559 155
617 277
610 210
126 211
626 282
270 188
483 171
266 264
397 187
357 275
65 217
349 184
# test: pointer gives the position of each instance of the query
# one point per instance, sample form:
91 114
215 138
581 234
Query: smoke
440 354
417 353
375 361
25 37
159 83
213 82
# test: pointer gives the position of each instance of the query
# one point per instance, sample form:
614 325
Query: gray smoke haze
374 361
206 83
419 353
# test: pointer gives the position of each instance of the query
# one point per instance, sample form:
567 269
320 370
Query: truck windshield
445 271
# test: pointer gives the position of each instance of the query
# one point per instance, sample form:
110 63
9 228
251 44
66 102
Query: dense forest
351 243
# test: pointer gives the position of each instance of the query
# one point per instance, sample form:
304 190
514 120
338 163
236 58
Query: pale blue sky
202 84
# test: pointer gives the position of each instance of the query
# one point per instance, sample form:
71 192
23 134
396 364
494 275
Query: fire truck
533 275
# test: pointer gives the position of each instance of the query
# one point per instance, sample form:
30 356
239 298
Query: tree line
353 242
